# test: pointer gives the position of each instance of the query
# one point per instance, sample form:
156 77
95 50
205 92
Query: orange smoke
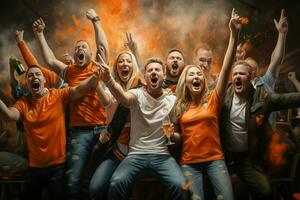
155 30
276 153
244 20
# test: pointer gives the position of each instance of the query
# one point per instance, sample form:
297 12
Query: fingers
100 58
282 13
275 22
232 12
127 37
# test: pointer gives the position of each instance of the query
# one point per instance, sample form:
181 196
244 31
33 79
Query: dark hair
155 60
33 66
175 50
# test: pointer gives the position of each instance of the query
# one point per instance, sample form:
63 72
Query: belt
87 128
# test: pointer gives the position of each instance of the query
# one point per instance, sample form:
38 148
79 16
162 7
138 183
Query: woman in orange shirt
198 114
42 113
127 74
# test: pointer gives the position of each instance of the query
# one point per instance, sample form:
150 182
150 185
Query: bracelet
95 19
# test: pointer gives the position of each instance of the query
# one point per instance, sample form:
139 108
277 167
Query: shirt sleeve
20 106
65 94
214 102
269 81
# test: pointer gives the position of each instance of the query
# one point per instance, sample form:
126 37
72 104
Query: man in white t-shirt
147 147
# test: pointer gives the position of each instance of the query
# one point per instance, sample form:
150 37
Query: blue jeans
217 174
50 178
100 181
164 166
81 145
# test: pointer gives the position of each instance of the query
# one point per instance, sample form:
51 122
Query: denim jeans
100 181
253 177
50 178
217 174
164 166
81 145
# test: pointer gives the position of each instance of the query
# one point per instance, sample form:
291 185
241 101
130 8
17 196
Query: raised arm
294 80
279 51
103 96
234 26
56 65
283 101
10 113
25 51
101 41
132 45
125 98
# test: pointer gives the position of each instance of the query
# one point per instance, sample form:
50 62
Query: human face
154 76
124 67
35 81
82 54
204 60
241 79
175 64
195 81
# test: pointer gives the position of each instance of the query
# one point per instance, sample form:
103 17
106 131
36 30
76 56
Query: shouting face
124 67
175 64
82 54
241 79
35 81
154 76
195 81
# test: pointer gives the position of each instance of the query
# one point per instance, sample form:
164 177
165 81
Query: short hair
33 66
204 47
175 50
243 62
81 40
155 60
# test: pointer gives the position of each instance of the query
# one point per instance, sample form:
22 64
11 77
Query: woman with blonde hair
198 113
127 74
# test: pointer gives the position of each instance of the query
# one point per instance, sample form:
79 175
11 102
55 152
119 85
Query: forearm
118 92
80 90
49 56
283 101
227 64
26 53
103 96
277 55
139 60
101 41
296 84
8 113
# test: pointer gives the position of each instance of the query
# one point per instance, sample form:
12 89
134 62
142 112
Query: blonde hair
135 70
183 95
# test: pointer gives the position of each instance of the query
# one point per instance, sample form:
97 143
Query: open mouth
175 66
196 84
35 85
125 73
238 84
81 56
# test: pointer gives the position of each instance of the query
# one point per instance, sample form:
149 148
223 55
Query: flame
276 153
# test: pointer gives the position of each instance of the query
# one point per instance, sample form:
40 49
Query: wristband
95 19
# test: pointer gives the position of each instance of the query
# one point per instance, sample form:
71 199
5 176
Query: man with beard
148 151
246 130
87 116
203 58
174 67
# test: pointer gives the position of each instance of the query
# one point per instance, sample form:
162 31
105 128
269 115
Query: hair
33 66
243 62
175 50
184 97
135 70
81 40
204 47
155 60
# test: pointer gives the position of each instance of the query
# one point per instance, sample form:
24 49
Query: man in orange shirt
42 113
87 115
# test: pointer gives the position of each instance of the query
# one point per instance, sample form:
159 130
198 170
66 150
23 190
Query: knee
264 191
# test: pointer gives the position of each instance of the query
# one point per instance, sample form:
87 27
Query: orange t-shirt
200 132
52 79
44 124
86 111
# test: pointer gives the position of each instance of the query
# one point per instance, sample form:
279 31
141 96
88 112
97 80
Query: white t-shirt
238 140
146 135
